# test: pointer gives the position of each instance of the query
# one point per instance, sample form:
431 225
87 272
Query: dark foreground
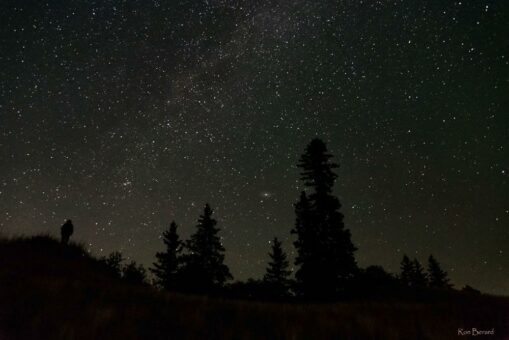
48 292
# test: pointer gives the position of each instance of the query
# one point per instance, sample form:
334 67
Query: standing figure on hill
66 231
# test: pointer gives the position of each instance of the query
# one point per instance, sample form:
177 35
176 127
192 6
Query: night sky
125 115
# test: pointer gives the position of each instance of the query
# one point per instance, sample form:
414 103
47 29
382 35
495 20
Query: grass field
52 292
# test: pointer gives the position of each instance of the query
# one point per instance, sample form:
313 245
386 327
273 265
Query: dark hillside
50 291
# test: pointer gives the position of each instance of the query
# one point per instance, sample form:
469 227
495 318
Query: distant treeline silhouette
51 290
326 268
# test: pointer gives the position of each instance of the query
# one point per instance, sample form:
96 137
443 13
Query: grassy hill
50 291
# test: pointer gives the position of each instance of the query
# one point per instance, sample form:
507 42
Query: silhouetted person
66 231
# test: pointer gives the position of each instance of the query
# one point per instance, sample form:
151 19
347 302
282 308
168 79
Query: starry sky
125 115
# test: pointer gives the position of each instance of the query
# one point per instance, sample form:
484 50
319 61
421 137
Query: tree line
325 263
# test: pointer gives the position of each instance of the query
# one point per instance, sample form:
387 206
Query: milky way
125 115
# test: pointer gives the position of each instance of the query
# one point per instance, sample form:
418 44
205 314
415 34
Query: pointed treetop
203 261
277 273
437 277
406 270
167 262
207 211
317 167
419 278
207 215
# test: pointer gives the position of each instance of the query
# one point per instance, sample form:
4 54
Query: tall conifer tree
407 270
325 252
204 269
306 241
277 275
419 278
437 277
167 265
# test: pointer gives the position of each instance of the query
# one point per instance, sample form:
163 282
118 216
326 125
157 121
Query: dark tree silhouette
277 274
325 252
470 290
307 241
375 282
114 263
66 231
407 269
437 277
167 265
412 273
134 273
419 278
203 268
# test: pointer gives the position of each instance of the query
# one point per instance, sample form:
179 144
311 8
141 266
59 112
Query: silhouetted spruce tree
437 277
325 252
277 274
307 241
407 269
114 263
167 265
134 273
203 269
419 278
